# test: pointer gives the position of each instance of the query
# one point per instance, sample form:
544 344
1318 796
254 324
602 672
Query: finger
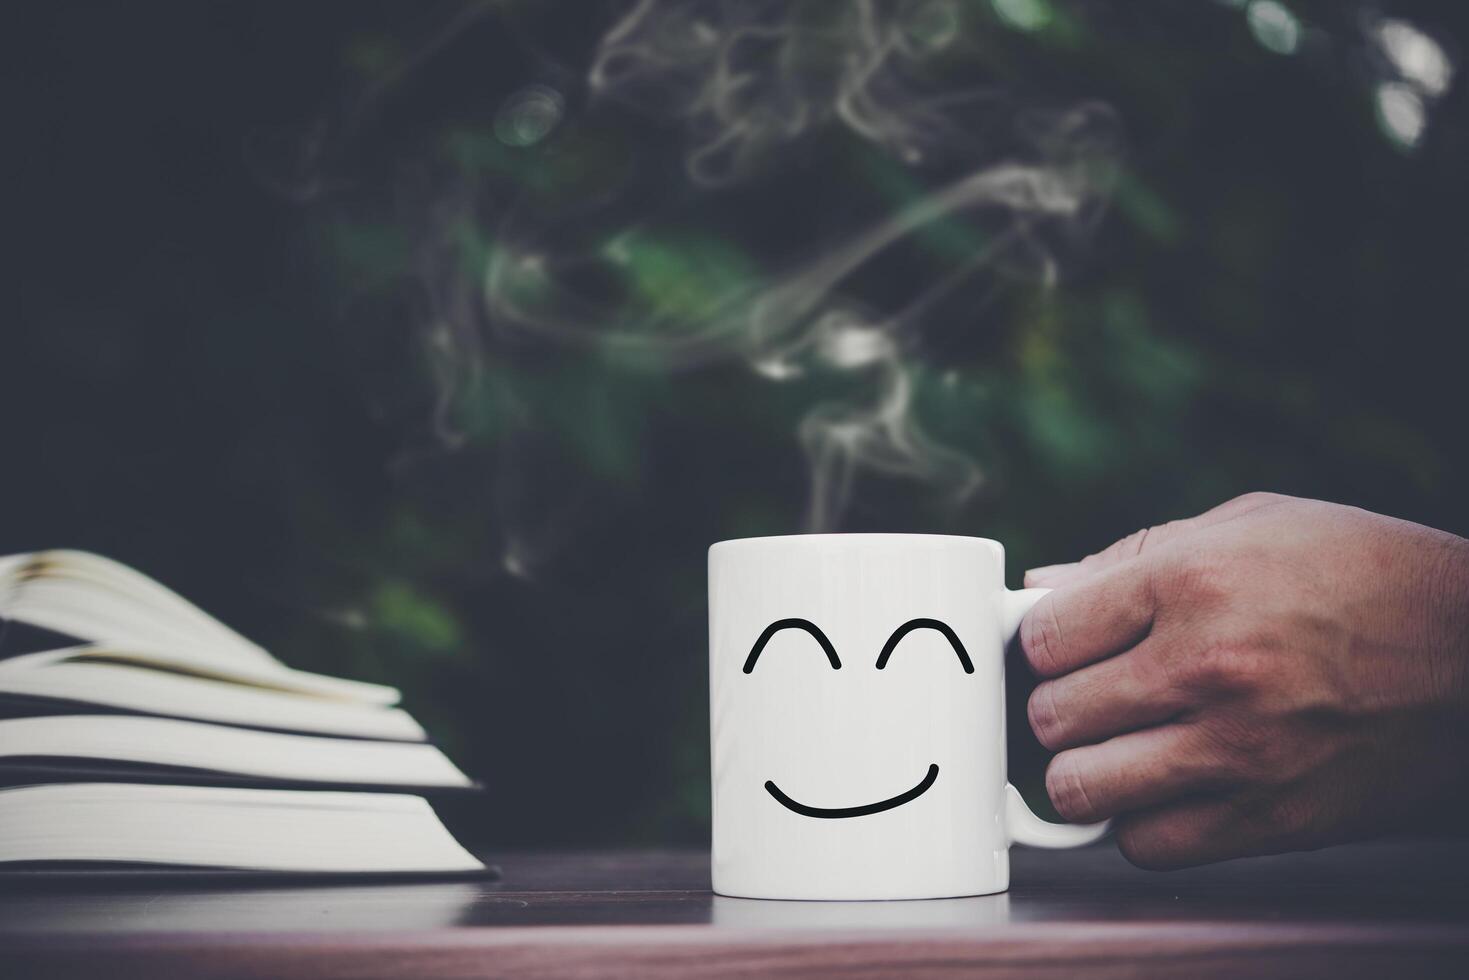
1182 834
1095 618
1049 576
1117 695
1131 772
1139 542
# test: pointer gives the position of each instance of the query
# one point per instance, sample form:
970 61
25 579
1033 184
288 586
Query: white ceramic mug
857 714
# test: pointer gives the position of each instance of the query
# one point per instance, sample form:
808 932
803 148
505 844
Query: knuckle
1257 497
1216 666
1143 846
1045 719
1159 841
1040 638
1247 666
1118 551
1182 525
1275 817
1224 666
1133 845
1193 670
1151 671
1132 545
1066 784
1239 751
1203 575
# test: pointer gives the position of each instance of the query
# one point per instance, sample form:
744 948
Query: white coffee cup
857 715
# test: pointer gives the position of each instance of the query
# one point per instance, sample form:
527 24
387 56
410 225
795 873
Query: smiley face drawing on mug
857 718
862 809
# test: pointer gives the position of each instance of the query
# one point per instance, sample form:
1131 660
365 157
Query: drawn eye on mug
926 624
882 658
805 625
792 624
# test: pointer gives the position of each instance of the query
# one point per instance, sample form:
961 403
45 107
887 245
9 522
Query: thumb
1143 541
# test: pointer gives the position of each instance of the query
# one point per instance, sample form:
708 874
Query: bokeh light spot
1025 15
1416 56
1274 26
1400 113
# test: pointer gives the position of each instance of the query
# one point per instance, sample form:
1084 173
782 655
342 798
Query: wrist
1448 613
1447 610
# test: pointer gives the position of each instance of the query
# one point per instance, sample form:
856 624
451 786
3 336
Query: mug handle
1023 826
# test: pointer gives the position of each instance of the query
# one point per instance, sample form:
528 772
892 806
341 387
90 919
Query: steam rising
750 78
747 82
659 274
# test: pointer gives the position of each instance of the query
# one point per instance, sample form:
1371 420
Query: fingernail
1048 574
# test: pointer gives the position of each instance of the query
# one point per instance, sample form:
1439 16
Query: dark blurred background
433 343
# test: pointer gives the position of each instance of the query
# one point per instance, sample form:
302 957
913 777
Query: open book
185 751
213 827
97 599
165 738
150 650
136 680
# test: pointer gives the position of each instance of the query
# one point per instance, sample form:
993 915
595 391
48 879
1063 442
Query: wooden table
1389 909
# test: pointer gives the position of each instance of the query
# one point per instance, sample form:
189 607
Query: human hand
1272 675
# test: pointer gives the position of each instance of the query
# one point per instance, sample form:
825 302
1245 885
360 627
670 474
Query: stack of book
162 739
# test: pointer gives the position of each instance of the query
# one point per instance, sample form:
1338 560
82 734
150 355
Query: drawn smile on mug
853 811
805 625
